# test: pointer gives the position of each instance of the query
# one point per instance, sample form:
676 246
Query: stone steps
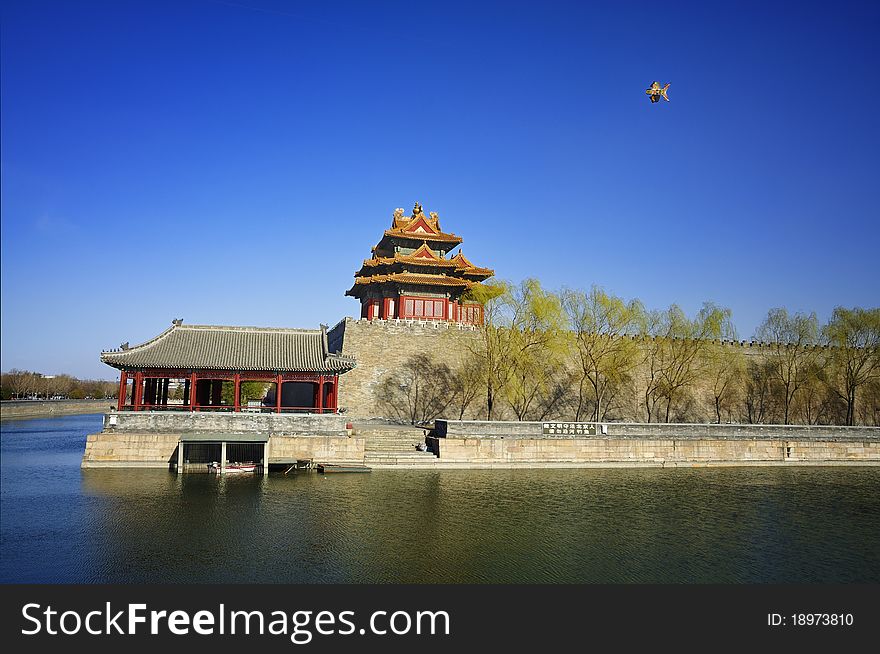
395 447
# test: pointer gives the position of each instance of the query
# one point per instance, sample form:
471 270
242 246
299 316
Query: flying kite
656 92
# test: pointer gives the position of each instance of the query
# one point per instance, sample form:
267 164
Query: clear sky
232 162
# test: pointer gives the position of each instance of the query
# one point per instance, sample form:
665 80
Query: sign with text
570 428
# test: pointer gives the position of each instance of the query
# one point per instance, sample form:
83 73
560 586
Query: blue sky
233 162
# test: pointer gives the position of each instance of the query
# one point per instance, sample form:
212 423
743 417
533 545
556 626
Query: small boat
233 467
331 467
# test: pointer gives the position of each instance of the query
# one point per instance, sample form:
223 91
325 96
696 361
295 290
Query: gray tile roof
233 348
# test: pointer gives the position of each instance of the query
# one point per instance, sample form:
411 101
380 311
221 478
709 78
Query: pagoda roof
233 348
436 237
416 279
454 266
464 264
424 256
418 226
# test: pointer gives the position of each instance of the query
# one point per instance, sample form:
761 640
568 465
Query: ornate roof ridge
245 328
216 328
230 347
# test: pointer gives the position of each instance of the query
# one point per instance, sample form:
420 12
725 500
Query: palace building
207 368
412 276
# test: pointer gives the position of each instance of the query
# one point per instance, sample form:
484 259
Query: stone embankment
476 444
151 438
22 409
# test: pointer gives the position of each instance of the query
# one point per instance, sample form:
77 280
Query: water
63 524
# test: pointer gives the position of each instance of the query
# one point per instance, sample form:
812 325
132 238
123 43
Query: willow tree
854 337
725 372
674 348
493 345
599 324
791 341
534 329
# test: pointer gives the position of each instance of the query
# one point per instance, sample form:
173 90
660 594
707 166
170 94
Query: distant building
411 276
211 363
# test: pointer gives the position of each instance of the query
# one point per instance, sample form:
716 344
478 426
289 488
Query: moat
727 525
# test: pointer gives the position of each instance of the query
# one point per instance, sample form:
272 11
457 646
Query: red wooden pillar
138 390
193 395
123 383
278 394
386 308
236 379
321 394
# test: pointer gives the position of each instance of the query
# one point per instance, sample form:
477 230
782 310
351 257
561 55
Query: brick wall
382 346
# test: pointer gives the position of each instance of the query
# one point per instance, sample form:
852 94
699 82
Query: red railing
228 408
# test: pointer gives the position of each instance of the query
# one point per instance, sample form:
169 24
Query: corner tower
412 276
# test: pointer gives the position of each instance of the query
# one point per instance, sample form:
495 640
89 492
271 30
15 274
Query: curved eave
422 236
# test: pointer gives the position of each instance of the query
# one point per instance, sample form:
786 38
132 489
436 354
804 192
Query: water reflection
638 525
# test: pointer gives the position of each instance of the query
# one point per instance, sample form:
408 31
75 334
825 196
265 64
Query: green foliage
598 324
854 335
253 390
486 292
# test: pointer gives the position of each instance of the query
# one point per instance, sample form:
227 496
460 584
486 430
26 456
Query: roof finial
124 346
177 322
417 209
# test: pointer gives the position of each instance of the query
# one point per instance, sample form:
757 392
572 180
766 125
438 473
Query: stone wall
661 430
504 444
150 438
321 449
130 450
182 422
151 450
382 347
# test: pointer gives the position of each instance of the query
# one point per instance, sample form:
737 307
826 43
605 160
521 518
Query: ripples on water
63 524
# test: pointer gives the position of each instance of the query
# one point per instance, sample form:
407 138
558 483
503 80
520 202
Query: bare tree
674 349
421 390
21 383
725 368
791 353
468 379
